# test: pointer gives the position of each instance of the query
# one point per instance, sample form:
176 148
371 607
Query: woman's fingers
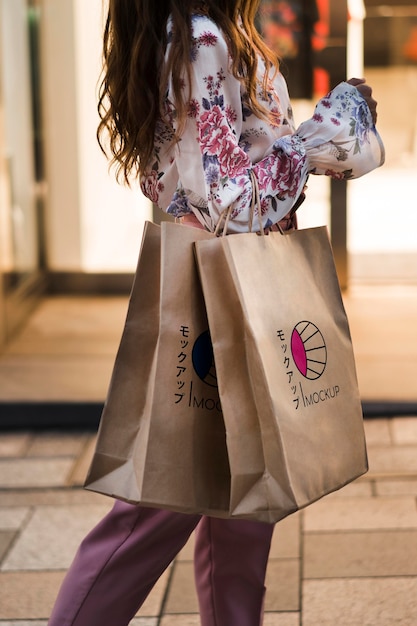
366 92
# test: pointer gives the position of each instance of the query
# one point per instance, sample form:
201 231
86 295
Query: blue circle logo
203 359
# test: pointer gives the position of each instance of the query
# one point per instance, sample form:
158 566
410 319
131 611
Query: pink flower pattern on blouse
208 170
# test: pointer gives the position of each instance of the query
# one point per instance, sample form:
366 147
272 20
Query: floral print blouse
209 169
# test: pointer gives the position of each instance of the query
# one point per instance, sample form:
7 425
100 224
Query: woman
192 101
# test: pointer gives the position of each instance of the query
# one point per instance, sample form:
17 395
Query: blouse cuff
341 139
291 144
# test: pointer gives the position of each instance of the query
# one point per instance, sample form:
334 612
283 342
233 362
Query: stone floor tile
12 518
142 621
286 538
187 553
377 432
43 544
394 460
281 619
36 473
375 376
56 497
396 487
360 602
24 623
28 595
57 444
180 620
283 585
404 430
182 597
332 514
370 554
6 538
14 444
82 465
64 324
360 487
153 603
75 378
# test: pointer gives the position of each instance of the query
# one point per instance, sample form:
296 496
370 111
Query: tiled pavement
348 560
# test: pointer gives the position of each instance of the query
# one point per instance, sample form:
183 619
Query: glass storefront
377 219
373 222
382 236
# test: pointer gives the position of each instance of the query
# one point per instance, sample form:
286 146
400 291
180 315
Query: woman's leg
117 565
230 562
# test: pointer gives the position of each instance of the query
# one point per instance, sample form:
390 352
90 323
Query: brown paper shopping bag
285 369
161 440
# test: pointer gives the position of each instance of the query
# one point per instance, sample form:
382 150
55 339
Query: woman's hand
366 92
191 220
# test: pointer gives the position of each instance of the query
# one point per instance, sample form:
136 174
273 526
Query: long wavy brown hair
135 74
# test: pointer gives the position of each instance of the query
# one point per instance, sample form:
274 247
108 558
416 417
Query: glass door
20 164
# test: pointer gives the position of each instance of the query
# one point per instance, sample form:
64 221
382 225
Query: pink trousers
120 560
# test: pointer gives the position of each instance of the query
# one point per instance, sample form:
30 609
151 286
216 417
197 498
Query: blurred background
68 229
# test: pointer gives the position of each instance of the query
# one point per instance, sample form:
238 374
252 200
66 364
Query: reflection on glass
288 27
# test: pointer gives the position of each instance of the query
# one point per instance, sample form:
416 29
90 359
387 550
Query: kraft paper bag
161 440
285 369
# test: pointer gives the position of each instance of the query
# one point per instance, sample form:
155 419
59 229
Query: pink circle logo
309 350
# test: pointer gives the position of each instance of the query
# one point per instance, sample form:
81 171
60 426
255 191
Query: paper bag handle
255 201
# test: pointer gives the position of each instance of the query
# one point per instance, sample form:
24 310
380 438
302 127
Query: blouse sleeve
341 139
211 161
